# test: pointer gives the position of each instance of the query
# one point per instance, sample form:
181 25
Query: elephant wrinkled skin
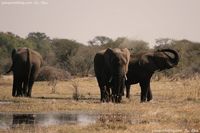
25 66
143 65
111 66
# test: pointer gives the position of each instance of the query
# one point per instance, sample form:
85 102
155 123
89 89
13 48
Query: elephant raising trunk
172 61
143 65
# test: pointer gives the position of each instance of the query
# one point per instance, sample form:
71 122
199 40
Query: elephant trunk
172 61
118 86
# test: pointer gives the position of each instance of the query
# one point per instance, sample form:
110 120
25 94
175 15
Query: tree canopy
77 58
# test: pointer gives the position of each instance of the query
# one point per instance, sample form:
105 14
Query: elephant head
117 61
159 60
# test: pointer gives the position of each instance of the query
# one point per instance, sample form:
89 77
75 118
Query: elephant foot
151 101
128 96
29 95
116 99
148 100
107 100
18 95
103 100
113 98
143 101
14 95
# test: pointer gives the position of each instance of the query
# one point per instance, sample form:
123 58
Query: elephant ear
126 58
147 62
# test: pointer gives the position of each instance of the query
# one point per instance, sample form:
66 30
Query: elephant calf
25 66
111 66
143 65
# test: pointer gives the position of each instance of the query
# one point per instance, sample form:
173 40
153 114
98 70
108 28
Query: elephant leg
102 89
144 90
128 91
113 96
103 93
14 89
25 88
33 75
31 82
117 88
108 94
30 85
122 88
120 92
116 96
19 88
149 94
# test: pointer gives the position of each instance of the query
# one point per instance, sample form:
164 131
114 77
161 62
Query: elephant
143 65
25 66
111 66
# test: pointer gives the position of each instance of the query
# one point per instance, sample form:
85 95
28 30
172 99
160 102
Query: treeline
77 59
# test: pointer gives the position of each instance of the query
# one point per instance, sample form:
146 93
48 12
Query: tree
82 62
134 45
9 41
64 50
100 40
41 44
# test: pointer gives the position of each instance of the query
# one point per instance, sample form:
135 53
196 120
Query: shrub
76 94
48 73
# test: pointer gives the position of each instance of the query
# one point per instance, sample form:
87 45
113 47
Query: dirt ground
175 107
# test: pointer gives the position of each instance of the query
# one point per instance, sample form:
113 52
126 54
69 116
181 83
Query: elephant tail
14 51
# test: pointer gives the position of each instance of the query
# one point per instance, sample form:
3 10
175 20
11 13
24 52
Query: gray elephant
25 66
143 65
111 66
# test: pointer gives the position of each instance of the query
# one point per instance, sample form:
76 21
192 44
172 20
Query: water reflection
45 119
23 119
12 120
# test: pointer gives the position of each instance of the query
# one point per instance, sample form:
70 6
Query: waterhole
10 120
45 119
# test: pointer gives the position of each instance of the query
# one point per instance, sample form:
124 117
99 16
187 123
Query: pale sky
82 20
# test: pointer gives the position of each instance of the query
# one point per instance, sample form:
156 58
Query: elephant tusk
125 77
110 80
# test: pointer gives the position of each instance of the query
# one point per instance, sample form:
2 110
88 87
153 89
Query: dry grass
175 108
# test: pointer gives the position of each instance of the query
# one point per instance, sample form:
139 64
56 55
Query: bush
48 73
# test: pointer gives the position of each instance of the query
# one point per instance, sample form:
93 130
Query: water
8 120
